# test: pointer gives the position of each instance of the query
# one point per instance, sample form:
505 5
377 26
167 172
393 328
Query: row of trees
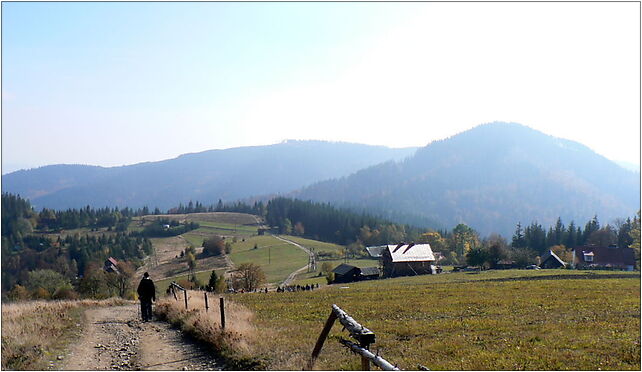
539 239
165 227
257 208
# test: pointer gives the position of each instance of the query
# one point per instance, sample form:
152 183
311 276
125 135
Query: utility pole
269 254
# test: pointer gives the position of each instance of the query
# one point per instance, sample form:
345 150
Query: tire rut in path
114 338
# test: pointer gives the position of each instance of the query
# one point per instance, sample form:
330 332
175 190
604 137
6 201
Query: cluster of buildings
396 260
418 259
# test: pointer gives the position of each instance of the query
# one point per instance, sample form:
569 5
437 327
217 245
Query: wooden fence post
206 304
222 305
322 337
365 363
185 294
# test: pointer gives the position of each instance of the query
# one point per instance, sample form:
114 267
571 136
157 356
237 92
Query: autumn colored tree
248 276
121 282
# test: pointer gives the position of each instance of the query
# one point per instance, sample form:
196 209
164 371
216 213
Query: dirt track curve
114 338
293 275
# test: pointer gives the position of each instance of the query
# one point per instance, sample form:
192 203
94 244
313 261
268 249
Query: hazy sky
121 83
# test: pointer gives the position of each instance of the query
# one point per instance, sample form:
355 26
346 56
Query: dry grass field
35 332
494 320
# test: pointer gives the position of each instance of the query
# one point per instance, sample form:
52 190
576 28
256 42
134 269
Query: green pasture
277 258
316 245
236 229
193 239
491 320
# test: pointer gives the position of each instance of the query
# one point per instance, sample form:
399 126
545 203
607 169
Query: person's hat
146 275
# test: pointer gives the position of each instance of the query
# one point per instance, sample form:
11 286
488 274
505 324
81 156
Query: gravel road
114 338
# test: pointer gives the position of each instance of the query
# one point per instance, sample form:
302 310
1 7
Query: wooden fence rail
375 359
175 286
363 335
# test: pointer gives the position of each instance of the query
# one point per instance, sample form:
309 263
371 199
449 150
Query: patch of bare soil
114 338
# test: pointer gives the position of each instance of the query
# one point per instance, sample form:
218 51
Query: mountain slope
490 177
205 176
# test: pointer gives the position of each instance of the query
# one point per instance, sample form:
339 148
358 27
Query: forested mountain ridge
488 178
207 176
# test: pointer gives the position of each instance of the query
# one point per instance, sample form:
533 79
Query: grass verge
36 332
235 344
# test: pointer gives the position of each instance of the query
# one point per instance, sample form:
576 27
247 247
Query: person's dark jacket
146 289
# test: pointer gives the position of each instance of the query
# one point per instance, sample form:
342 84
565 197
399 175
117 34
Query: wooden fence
175 287
361 334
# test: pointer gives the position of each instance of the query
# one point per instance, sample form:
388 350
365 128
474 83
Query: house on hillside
611 257
408 259
551 261
111 265
345 273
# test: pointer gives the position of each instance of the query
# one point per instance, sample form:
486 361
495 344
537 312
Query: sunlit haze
121 83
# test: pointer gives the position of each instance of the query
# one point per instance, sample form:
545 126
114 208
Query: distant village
419 259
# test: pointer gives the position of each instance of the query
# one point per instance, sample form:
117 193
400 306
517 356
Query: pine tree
518 237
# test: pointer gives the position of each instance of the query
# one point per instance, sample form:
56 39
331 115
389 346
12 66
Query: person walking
146 294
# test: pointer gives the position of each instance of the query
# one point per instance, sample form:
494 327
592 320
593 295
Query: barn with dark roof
345 273
551 261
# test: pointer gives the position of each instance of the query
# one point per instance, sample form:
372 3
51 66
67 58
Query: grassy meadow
277 258
493 320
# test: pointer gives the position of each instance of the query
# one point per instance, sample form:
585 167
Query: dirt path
293 275
115 339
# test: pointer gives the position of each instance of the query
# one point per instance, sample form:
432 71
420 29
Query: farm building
376 251
551 261
408 259
368 273
611 257
505 264
345 273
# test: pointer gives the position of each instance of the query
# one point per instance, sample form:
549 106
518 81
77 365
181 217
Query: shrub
214 246
40 294
65 294
48 280
18 293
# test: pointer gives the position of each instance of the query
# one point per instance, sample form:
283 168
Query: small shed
345 273
551 261
368 273
407 259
